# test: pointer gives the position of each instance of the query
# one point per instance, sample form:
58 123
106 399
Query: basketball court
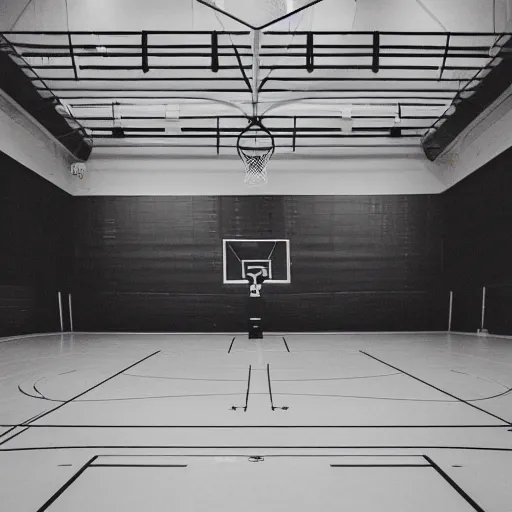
94 421
251 261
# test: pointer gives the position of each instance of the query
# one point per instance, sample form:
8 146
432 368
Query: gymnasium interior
256 255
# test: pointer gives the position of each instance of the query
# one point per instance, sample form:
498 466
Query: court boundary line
258 447
488 335
46 413
66 485
31 335
91 463
192 333
358 455
454 485
241 333
508 423
138 465
67 426
380 466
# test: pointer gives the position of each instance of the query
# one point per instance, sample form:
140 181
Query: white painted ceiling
179 107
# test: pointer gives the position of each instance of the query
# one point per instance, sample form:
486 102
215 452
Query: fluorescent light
172 112
346 124
398 116
346 112
172 130
116 114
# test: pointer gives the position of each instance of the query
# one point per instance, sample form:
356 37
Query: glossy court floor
327 422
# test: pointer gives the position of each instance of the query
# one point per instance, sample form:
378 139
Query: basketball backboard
259 14
242 257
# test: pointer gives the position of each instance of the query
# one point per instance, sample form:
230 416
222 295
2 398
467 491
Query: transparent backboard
242 257
259 14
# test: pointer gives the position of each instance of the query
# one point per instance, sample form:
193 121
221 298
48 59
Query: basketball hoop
255 146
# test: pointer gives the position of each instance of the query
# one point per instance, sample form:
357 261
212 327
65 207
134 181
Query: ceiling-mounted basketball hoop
255 146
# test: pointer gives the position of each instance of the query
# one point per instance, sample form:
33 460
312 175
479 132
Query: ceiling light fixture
398 117
346 123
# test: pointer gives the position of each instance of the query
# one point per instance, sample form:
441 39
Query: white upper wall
357 172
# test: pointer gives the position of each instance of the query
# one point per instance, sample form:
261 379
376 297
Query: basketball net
255 146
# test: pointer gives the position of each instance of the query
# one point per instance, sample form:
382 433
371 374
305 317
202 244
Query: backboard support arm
256 46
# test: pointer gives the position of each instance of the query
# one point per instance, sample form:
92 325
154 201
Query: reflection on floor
97 422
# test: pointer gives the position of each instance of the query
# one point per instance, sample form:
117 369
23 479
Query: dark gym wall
359 262
478 246
36 249
155 263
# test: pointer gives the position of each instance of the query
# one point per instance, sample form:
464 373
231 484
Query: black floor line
270 388
231 346
254 447
455 486
138 465
11 428
256 426
286 344
244 407
438 389
27 422
40 396
381 466
273 407
248 389
13 436
238 455
66 485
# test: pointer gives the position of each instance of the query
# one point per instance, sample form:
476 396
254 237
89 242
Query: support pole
310 53
60 312
294 140
482 320
144 48
70 312
256 42
215 52
72 55
218 135
450 312
376 52
446 50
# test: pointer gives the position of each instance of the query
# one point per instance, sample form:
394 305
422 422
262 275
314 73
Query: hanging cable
494 16
431 14
21 14
67 15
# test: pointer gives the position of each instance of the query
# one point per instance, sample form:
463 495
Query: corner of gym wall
35 223
27 142
483 140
